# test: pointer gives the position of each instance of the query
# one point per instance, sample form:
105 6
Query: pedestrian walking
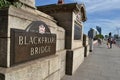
99 41
111 42
91 36
108 43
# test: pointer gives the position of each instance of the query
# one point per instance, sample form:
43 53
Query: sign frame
18 50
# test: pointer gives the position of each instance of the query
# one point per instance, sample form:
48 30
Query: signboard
26 46
77 32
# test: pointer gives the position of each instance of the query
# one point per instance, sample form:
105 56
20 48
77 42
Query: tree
99 36
7 3
4 3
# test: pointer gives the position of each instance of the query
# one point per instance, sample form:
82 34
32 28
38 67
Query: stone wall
88 50
30 3
76 43
74 58
69 52
47 68
78 58
77 50
65 21
41 69
60 48
86 45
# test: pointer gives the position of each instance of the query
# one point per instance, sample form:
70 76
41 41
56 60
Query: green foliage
106 36
99 36
4 3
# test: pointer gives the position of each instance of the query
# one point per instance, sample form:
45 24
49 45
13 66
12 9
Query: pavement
101 64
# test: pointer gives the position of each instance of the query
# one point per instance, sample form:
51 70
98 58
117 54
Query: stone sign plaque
77 32
27 46
38 27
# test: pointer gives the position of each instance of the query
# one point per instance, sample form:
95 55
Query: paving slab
101 64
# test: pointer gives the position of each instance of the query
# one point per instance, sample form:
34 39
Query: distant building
93 32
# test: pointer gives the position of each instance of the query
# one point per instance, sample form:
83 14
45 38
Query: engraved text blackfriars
25 40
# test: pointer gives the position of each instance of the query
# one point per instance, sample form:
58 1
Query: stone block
74 58
62 54
54 65
69 62
62 69
54 76
60 33
3 52
34 70
3 24
78 52
30 3
53 29
44 69
78 58
88 50
62 57
85 51
60 45
29 71
18 23
77 44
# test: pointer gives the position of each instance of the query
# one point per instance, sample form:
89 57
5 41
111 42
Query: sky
102 13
